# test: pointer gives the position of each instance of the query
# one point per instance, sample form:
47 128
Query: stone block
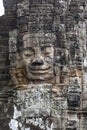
34 101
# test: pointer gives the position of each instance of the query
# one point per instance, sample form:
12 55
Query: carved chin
40 73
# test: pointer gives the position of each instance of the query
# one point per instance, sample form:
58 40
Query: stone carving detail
17 71
38 57
73 97
34 63
73 100
71 125
34 101
47 54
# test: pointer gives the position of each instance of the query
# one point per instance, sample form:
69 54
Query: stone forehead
39 35
39 38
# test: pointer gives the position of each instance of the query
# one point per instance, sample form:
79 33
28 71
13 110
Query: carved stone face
38 56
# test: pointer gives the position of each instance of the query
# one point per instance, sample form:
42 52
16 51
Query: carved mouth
38 69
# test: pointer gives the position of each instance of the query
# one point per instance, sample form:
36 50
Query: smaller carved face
38 59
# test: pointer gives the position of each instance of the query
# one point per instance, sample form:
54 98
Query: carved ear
19 61
18 78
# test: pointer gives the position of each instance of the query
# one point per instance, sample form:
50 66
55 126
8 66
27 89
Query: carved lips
39 69
39 72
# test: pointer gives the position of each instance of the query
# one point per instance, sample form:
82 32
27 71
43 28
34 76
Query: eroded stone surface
43 65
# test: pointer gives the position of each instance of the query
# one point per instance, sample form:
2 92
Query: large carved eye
47 50
28 52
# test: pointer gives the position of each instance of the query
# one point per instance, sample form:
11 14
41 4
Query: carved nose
38 61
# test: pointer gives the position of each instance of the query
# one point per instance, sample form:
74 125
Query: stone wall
43 65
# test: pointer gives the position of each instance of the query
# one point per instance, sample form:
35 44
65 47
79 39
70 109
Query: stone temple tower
43 65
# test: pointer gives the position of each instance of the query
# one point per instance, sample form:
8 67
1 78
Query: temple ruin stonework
43 65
